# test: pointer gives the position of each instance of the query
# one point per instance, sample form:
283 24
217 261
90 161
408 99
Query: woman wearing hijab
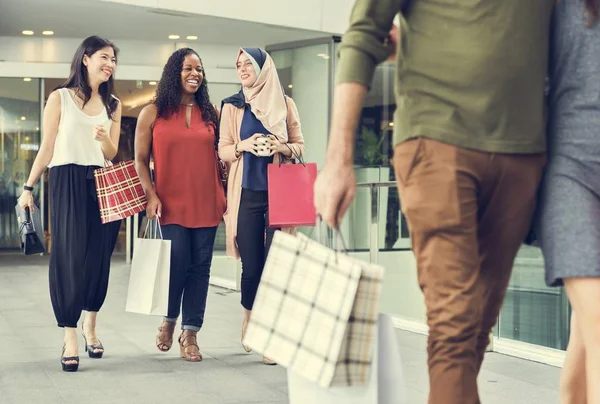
259 126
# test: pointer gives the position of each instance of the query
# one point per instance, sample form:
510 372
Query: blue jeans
191 257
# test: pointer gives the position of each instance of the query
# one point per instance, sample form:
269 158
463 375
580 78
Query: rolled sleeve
364 44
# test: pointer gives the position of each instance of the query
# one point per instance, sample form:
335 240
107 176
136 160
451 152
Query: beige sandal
268 361
188 346
164 338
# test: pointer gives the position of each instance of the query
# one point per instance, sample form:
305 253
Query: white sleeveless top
75 143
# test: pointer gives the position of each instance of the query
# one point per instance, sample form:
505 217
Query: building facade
302 38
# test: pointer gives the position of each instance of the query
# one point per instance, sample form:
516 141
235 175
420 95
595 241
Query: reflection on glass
533 312
374 150
374 142
19 143
304 75
135 95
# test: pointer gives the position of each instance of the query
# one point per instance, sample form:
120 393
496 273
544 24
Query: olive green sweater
470 72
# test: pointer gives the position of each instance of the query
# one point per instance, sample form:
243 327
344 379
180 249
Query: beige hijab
266 97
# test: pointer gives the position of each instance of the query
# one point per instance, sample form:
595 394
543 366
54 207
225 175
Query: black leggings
253 243
81 244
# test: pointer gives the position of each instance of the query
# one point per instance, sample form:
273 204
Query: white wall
336 15
138 60
329 16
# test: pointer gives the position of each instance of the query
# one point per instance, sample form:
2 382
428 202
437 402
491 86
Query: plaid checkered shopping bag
316 311
119 190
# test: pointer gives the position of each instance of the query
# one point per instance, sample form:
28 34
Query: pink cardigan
231 122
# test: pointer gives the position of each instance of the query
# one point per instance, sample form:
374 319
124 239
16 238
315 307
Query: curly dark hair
168 92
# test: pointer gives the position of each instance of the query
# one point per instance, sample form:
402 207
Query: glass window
19 143
135 95
533 312
304 72
304 75
374 150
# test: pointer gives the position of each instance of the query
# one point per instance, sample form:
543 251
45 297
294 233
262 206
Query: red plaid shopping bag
120 192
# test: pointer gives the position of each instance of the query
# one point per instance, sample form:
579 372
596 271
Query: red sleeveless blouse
186 176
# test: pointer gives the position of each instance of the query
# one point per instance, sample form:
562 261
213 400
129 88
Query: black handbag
30 230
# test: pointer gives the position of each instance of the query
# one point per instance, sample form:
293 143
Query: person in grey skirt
569 215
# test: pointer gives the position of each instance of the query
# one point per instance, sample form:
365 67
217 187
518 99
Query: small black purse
30 230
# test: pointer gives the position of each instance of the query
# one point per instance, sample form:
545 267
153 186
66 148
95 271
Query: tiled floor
133 371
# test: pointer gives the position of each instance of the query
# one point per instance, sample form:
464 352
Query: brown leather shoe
188 346
164 338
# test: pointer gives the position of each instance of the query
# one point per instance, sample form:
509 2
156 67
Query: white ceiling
81 18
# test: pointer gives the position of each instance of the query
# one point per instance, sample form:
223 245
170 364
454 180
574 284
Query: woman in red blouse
179 130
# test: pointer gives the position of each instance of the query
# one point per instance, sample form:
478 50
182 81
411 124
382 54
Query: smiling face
192 74
245 70
101 65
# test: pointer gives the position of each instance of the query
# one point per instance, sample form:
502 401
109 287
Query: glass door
19 143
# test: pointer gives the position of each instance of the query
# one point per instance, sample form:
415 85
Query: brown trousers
468 212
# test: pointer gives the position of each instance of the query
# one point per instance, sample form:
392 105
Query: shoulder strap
63 103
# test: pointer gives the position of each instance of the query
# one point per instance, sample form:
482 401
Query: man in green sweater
470 149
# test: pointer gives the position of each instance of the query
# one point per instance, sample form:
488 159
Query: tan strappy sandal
164 338
188 346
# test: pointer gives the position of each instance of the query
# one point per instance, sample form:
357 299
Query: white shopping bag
148 291
386 382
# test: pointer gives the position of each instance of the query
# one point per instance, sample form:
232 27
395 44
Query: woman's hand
278 147
100 134
275 145
250 145
154 207
26 201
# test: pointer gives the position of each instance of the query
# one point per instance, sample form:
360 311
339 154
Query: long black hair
78 78
168 92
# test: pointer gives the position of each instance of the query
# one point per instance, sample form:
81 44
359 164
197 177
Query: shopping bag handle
338 234
155 231
294 155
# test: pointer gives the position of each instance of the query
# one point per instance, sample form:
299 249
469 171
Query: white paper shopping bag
148 291
386 381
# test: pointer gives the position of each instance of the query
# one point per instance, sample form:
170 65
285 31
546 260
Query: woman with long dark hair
259 126
82 125
569 221
179 130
